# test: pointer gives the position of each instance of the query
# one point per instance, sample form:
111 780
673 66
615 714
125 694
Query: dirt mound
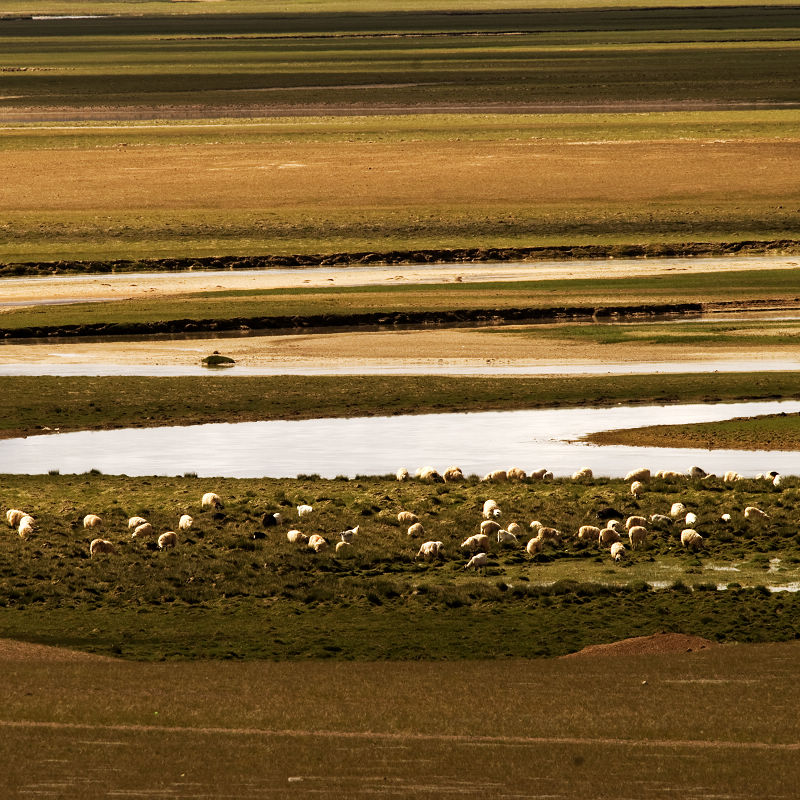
645 645
12 650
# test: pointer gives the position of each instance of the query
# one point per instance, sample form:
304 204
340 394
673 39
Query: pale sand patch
13 650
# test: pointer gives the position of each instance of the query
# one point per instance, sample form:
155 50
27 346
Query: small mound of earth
12 650
645 645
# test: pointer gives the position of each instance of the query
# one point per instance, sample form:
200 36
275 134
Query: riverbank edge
417 256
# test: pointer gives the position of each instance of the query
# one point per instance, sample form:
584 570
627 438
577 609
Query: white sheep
690 519
671 475
211 500
429 550
725 518
490 527
92 521
588 532
608 536
637 488
491 510
342 546
614 524
637 535
100 546
295 537
167 539
538 474
146 529
453 474
535 525
26 520
697 472
416 529
429 475
691 539
550 535
349 534
516 474
642 474
661 520
506 537
548 476
515 528
25 528
317 543
496 475
135 522
583 474
677 510
402 474
777 481
185 522
617 551
478 561
731 476
634 520
407 518
534 545
479 541
751 512
304 510
13 516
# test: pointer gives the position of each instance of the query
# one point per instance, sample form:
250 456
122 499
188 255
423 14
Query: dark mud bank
444 256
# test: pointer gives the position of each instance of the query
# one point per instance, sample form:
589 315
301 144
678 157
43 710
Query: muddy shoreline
435 256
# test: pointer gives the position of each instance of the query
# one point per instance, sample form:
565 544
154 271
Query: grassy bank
31 405
223 594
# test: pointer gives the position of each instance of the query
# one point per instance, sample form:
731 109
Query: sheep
349 534
751 512
608 536
506 537
496 475
489 527
677 510
583 474
491 510
535 525
304 511
637 487
632 521
100 546
777 481
730 477
617 551
92 521
725 518
516 474
588 532
167 539
480 541
317 543
429 550
340 546
416 529
671 475
25 528
637 535
407 518
697 472
690 519
478 561
185 522
661 520
614 524
515 528
548 476
402 474
142 530
691 539
135 522
453 474
538 474
295 537
270 519
642 475
534 545
13 516
429 475
550 535
26 520
211 500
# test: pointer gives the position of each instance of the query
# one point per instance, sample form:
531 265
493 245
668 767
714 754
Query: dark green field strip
29 404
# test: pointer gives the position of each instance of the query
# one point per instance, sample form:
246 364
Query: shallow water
478 442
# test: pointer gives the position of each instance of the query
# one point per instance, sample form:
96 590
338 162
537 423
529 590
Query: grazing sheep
100 546
588 532
26 519
751 512
142 530
631 521
697 472
428 550
637 535
489 527
402 474
478 561
211 500
550 535
407 518
13 516
538 474
304 511
671 475
608 536
317 543
548 476
271 518
583 474
453 474
25 528
730 477
416 529
516 474
185 522
491 510
167 539
725 518
429 475
295 537
135 522
614 524
342 546
496 475
534 545
617 551
642 475
506 537
516 529
690 519
349 534
677 510
637 487
662 520
92 521
535 525
777 481
691 539
480 541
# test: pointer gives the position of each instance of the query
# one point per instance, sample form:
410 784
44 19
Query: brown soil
656 644
13 650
